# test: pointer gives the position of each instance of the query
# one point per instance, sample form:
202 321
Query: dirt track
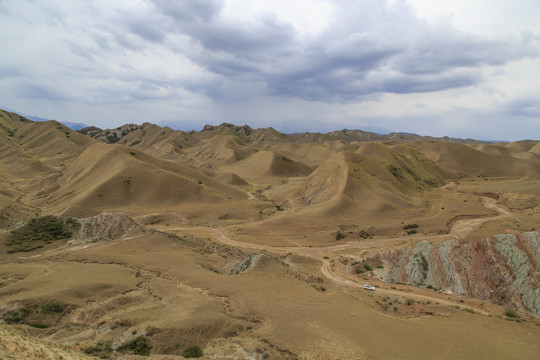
460 229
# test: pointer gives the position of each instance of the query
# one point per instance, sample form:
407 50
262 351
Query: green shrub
340 235
52 307
47 229
39 325
194 351
141 347
24 248
511 314
394 170
367 267
40 231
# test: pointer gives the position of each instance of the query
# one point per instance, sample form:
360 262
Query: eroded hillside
250 243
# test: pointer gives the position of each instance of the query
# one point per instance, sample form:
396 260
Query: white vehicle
369 287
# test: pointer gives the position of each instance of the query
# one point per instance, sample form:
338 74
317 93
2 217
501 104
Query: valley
254 244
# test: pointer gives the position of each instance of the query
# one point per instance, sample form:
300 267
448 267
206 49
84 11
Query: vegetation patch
53 307
194 351
101 350
15 316
40 231
512 314
139 346
39 325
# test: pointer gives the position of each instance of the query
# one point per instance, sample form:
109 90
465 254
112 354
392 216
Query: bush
52 307
511 314
340 236
367 267
141 347
46 229
194 351
39 325
394 170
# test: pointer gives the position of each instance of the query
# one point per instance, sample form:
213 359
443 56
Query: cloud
367 47
199 54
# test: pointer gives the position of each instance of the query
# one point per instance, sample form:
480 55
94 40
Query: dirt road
326 254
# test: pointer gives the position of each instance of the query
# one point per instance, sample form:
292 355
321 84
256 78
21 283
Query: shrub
511 314
39 325
141 347
394 170
52 307
194 351
367 267
24 248
46 229
340 235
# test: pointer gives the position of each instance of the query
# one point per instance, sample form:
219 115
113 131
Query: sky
460 68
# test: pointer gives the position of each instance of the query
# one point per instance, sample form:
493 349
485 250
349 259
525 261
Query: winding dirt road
326 255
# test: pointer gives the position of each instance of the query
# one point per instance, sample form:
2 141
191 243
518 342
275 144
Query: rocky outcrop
244 265
105 225
504 268
109 136
242 130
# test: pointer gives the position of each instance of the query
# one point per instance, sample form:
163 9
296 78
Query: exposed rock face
244 265
105 225
504 268
109 136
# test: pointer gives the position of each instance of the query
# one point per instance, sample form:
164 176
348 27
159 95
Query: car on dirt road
369 287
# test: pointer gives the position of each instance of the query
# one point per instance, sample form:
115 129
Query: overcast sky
460 68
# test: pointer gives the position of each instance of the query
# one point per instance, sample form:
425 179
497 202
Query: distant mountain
73 126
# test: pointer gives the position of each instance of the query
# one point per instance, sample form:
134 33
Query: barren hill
112 176
252 244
